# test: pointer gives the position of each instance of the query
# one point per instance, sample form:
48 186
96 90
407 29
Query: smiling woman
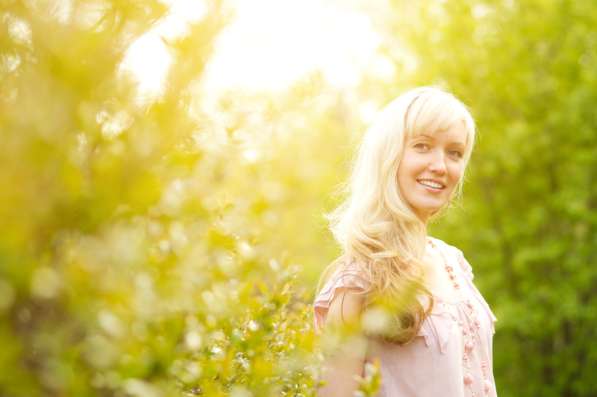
431 168
431 330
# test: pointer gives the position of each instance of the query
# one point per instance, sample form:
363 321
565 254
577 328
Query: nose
437 163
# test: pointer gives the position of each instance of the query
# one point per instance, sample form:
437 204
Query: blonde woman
438 342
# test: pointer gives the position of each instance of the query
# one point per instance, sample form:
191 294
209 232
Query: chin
431 208
429 211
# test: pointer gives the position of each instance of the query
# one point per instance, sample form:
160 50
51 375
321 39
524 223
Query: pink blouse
452 353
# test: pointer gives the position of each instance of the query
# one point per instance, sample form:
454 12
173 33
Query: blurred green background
168 242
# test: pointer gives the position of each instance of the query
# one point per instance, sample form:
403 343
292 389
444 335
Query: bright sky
274 42
268 45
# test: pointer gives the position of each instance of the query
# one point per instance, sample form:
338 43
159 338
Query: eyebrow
461 144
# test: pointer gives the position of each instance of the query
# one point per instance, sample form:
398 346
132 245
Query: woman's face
430 169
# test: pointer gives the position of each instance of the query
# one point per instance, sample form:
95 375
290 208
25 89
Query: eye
456 153
421 146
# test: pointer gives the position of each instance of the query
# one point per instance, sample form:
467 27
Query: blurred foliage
170 244
125 267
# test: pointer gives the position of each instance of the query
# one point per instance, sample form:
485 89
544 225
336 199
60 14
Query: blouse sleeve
345 277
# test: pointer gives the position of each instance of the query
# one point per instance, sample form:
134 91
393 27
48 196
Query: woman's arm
346 361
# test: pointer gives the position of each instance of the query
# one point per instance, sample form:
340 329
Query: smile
431 184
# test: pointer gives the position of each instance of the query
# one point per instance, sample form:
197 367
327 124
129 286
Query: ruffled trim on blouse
433 332
347 277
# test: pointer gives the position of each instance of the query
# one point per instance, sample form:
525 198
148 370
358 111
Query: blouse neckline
434 243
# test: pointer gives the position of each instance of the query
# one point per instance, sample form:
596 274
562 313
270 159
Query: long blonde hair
375 227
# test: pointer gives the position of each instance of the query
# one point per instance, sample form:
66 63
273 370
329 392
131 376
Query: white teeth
432 184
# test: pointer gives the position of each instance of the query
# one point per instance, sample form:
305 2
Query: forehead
452 134
439 116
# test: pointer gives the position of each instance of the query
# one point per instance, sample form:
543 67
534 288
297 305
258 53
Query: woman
409 167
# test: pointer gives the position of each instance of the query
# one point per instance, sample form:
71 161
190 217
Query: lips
432 184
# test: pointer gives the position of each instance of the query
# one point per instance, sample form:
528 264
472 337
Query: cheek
412 163
456 172
400 177
406 170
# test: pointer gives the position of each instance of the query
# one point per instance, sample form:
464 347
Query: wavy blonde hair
375 227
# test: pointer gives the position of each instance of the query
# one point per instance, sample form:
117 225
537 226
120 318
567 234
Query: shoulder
343 295
346 273
453 253
346 306
446 248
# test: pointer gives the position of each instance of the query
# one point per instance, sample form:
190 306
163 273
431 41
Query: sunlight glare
148 59
273 43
